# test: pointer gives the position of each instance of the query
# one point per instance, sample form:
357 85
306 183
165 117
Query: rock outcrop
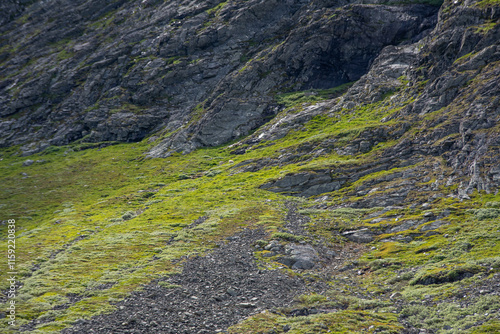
198 73
444 93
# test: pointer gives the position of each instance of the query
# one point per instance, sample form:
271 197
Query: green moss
287 237
337 322
311 96
95 193
439 276
198 111
311 299
125 107
110 212
464 58
488 213
215 10
486 27
492 326
452 316
488 3
64 54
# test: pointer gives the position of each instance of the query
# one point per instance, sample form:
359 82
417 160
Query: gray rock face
304 184
299 256
202 71
361 236
433 225
12 9
320 53
453 73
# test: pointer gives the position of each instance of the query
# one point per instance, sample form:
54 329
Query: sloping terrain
251 166
125 69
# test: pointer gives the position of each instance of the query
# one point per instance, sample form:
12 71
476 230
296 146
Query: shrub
489 213
128 215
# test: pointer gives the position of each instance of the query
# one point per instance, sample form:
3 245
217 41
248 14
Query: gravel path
216 291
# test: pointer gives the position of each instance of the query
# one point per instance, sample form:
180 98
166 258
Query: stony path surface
216 291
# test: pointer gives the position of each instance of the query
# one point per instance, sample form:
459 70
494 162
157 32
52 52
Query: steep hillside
120 70
251 166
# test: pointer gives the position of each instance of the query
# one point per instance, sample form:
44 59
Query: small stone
246 305
331 253
232 292
28 162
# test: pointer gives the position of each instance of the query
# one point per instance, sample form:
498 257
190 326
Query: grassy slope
87 218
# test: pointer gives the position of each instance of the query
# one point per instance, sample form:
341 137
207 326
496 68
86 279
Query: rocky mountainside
258 166
121 70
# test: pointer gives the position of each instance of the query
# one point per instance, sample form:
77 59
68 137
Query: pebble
246 305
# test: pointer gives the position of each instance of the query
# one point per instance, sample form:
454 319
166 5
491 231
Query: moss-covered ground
95 224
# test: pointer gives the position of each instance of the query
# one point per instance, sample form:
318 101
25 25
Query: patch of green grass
463 58
127 107
64 54
311 96
336 322
452 316
488 3
492 326
439 275
215 10
115 217
287 237
486 213
94 194
486 27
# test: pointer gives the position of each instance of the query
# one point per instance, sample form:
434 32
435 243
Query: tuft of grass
215 10
337 322
440 276
287 237
488 3
311 96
